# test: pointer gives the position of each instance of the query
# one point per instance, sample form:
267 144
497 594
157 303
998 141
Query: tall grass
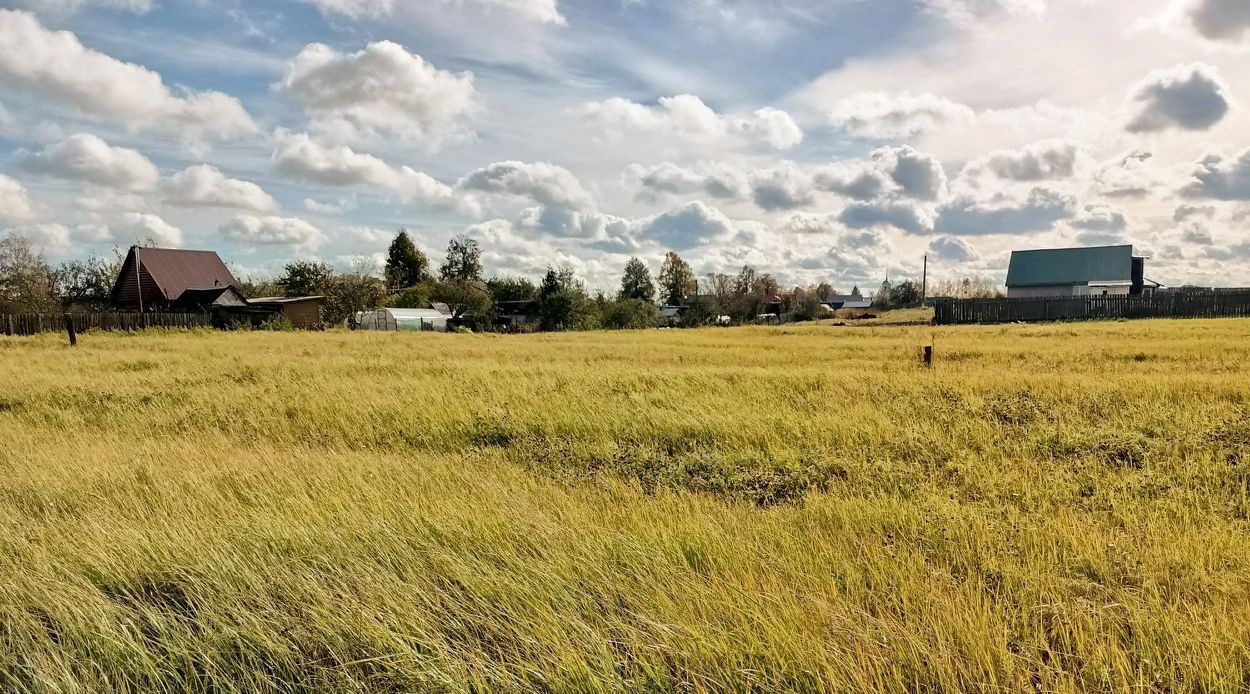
1050 508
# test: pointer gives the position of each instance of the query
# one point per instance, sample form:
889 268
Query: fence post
69 328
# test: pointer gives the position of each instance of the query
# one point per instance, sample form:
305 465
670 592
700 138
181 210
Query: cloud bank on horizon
820 141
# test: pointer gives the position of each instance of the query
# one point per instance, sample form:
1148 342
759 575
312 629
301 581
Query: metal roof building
304 312
1093 271
156 278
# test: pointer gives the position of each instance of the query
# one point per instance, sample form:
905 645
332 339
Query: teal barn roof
1070 266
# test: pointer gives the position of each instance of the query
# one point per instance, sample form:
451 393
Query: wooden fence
34 323
1158 305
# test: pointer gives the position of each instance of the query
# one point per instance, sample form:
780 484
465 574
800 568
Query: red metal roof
175 271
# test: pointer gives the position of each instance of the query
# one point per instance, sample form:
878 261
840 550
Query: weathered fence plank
34 323
1219 304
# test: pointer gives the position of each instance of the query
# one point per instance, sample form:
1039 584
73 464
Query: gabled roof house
1092 271
157 278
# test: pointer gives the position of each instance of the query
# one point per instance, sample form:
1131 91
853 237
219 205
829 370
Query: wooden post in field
69 328
924 281
928 356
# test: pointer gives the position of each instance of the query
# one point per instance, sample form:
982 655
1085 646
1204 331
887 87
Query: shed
204 300
302 311
402 319
226 306
156 278
1091 271
518 313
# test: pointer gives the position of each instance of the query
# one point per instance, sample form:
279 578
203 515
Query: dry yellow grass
1055 508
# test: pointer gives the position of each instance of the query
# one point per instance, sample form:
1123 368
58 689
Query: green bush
631 314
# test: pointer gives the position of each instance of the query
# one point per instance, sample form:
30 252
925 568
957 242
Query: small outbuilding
402 319
303 312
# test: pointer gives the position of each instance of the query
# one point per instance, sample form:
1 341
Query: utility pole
138 278
924 281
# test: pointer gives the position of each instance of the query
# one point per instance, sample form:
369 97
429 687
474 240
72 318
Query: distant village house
855 299
186 281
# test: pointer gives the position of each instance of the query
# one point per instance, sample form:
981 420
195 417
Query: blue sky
821 140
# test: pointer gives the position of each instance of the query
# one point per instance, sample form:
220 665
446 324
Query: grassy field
1050 508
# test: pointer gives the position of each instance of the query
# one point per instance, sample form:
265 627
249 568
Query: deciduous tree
465 298
636 282
27 282
305 278
511 289
86 284
677 280
464 260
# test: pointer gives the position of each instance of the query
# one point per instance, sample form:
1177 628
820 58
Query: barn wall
1044 291
128 293
303 314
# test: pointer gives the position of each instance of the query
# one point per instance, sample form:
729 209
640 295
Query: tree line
560 301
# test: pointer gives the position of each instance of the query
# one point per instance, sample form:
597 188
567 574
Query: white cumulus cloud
545 184
60 239
896 116
952 248
1100 217
15 204
783 187
686 115
688 226
1185 97
895 171
905 215
140 228
1003 213
1040 161
1218 178
56 66
380 90
561 206
87 158
304 158
273 231
203 185
714 179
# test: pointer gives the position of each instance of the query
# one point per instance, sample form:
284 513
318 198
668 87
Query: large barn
1092 271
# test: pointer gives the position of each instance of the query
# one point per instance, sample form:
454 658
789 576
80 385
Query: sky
834 141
